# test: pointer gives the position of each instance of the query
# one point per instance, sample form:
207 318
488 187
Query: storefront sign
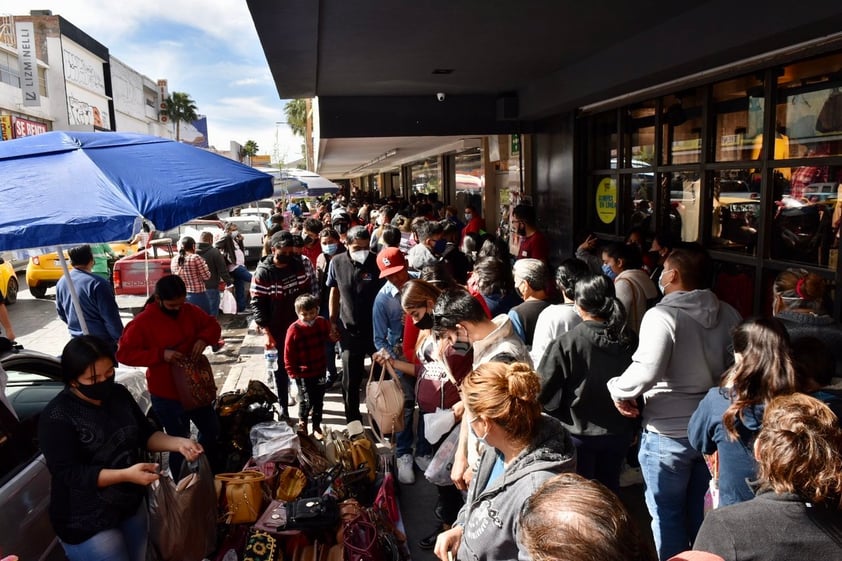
25 33
515 146
25 127
606 200
6 127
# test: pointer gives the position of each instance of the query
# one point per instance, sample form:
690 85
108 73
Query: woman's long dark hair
187 244
595 295
81 353
170 287
764 371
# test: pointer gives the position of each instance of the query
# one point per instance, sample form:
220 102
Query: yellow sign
5 127
606 200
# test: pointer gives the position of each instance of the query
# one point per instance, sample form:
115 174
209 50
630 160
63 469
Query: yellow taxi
8 282
43 271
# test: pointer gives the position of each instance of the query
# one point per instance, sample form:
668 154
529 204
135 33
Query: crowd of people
552 382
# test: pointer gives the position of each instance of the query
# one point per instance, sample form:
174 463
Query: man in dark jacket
354 281
218 269
279 279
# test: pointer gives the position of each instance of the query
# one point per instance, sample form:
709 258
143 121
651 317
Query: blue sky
207 48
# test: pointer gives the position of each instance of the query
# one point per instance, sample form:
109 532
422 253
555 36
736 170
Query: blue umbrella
64 188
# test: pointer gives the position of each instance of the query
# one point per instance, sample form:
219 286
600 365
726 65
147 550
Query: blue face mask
606 270
330 248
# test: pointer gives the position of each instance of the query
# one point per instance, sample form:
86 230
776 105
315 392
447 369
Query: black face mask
461 347
172 313
521 230
99 391
425 322
284 259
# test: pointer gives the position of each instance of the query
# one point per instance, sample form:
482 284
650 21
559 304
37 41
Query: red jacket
151 332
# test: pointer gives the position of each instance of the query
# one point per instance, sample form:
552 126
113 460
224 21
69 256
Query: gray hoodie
685 346
490 515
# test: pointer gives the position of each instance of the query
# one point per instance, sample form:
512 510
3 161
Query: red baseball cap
390 261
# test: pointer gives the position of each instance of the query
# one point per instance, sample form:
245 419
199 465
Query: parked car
8 283
34 379
137 274
43 271
253 230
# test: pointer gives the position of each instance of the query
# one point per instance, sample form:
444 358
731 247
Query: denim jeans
126 542
405 438
213 301
199 299
176 422
242 282
601 457
676 480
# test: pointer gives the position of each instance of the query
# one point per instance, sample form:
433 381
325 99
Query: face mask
100 391
468 216
330 248
169 312
461 347
284 259
308 322
440 246
606 270
360 255
481 439
661 286
521 230
234 233
425 322
307 239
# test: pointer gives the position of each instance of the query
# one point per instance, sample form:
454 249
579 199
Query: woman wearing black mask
438 380
91 435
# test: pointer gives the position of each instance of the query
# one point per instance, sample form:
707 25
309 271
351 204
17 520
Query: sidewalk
417 501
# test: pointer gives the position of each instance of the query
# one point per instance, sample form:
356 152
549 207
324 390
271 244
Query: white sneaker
423 462
406 469
291 400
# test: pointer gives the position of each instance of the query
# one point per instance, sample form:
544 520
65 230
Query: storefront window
681 194
736 210
738 105
805 215
426 177
681 128
808 113
640 136
470 180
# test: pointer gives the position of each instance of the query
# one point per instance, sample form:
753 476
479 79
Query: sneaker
291 400
423 462
430 541
406 469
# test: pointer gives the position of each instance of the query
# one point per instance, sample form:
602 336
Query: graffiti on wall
82 72
82 113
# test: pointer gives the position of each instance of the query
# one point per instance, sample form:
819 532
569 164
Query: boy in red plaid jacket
305 360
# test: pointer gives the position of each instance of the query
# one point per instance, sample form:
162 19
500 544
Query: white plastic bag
438 472
437 424
274 442
227 303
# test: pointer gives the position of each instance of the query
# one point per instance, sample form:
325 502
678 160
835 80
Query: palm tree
180 108
250 149
296 112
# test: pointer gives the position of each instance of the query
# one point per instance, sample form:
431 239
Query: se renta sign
606 200
25 127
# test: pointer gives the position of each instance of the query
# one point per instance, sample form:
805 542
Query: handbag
438 472
291 482
182 520
360 540
274 518
384 401
262 546
240 496
194 384
314 513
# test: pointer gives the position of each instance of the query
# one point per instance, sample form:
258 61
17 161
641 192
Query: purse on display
194 384
291 482
240 496
274 518
384 401
262 546
307 514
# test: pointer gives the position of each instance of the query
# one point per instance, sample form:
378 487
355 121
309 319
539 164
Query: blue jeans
213 301
242 282
199 299
176 422
126 542
404 439
676 480
601 457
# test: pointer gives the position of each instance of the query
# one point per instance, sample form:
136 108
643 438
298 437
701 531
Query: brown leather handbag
194 383
240 496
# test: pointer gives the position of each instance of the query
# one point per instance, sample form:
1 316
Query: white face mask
661 284
360 255
481 439
308 322
468 216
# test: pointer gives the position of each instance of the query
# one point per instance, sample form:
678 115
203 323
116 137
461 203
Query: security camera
440 96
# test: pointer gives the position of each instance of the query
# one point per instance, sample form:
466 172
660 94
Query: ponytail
615 320
182 255
595 295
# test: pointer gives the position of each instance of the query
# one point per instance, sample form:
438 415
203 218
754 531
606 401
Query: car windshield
249 226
